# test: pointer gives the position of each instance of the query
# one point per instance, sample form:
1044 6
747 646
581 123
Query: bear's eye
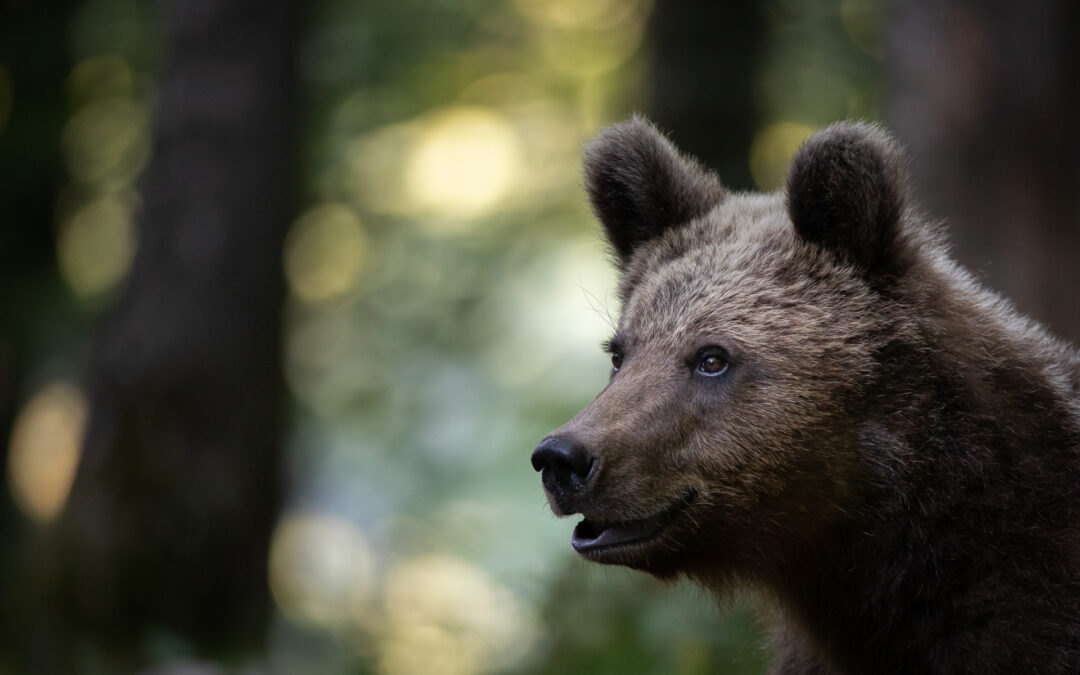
616 360
712 364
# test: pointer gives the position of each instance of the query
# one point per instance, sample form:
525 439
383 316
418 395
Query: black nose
566 461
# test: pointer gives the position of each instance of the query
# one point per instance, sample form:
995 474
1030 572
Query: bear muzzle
608 533
592 538
566 468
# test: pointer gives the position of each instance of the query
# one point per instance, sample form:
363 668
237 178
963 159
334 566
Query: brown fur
891 454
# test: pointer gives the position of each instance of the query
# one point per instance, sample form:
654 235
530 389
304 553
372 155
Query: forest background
289 290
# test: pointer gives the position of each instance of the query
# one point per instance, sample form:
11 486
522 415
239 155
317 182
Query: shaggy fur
892 454
640 185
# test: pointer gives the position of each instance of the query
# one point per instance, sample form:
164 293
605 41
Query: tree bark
166 529
34 56
987 96
36 63
701 84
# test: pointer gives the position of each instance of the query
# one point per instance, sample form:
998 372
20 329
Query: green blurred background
290 290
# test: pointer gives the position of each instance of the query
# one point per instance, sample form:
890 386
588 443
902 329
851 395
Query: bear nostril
566 459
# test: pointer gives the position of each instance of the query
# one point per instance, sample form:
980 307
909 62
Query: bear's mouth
593 537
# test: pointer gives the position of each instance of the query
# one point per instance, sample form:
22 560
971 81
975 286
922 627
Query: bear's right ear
640 185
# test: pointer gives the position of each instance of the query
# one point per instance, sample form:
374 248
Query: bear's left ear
640 185
846 191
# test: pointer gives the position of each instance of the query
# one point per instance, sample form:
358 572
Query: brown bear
810 399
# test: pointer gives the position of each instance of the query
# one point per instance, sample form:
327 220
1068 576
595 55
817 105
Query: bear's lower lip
590 537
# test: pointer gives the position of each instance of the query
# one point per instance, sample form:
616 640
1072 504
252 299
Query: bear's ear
640 185
846 191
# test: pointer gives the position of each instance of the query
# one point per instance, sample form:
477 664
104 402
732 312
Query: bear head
749 332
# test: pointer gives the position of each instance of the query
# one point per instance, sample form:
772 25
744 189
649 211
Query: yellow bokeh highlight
503 89
44 450
373 169
592 53
325 253
107 141
464 161
595 14
95 245
450 169
7 96
771 152
97 77
320 569
445 616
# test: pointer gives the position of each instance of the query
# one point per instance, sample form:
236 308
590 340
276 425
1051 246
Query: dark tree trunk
32 115
701 85
987 97
166 529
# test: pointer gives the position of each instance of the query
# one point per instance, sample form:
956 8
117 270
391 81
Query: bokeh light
325 253
327 356
95 245
320 569
464 162
107 141
100 77
372 168
581 13
556 310
445 616
552 135
44 450
602 37
771 152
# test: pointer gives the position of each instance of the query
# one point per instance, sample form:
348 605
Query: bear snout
566 468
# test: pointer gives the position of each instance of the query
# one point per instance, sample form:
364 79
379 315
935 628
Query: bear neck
971 458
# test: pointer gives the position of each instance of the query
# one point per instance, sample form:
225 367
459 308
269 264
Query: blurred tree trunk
34 63
165 534
701 84
987 97
33 66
